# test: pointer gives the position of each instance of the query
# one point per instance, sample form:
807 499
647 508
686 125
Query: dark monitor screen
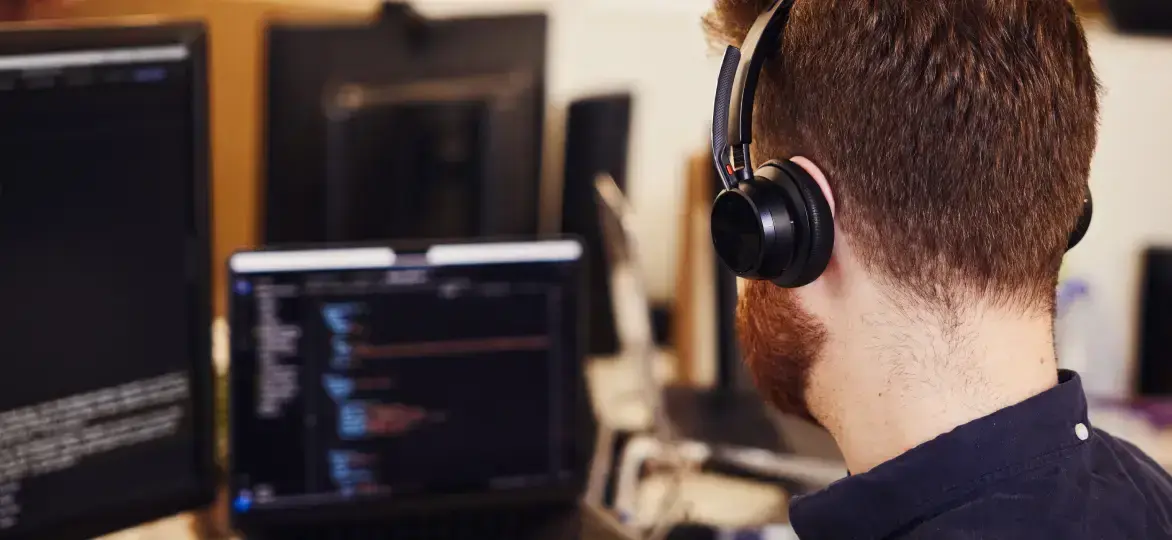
366 379
407 171
429 158
1155 342
104 304
404 129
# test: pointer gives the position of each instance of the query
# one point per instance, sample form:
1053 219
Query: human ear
819 177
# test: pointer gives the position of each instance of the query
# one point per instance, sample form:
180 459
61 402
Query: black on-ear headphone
774 223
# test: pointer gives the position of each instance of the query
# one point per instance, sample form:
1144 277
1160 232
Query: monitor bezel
376 510
139 32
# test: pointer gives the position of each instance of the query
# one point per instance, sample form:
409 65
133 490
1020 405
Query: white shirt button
1081 431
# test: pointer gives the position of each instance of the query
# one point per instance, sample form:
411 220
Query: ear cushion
821 225
1083 224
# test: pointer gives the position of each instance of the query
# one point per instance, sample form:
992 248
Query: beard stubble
780 341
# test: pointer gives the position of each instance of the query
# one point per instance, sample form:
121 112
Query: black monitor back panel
105 407
597 142
404 129
1140 16
1155 343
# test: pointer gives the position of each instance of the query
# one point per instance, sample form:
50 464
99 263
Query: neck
893 382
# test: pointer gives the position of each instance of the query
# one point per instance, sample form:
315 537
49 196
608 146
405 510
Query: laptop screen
367 377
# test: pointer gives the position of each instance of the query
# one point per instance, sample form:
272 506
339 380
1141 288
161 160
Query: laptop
433 391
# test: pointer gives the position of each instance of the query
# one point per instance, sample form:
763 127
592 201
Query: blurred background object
1155 347
459 124
1140 16
598 130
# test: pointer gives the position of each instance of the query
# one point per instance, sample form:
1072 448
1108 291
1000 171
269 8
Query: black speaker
1140 16
731 375
597 142
1155 342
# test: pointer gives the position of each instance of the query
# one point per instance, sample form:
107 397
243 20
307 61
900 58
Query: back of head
956 135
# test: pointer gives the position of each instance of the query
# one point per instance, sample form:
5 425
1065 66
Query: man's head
954 138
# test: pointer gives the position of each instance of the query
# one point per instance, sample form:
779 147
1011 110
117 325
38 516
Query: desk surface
180 527
594 527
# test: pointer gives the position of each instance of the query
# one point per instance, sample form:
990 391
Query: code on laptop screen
415 375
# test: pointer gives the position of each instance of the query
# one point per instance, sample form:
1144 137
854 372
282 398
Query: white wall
662 56
1132 183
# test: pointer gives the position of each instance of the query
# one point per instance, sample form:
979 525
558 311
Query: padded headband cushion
821 225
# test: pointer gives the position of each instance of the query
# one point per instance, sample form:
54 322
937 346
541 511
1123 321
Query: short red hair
957 135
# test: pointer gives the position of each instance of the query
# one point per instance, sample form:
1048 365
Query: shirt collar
900 492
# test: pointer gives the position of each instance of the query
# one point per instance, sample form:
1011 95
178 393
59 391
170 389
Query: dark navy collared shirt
1037 470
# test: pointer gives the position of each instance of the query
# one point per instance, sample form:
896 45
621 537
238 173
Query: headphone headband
732 118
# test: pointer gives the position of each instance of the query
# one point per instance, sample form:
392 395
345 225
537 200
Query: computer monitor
404 128
1140 16
1154 374
105 309
597 142
373 383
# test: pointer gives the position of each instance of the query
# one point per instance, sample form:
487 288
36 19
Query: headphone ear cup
821 221
1084 222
